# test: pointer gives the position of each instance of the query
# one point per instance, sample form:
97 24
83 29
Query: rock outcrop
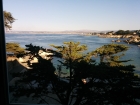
133 40
130 39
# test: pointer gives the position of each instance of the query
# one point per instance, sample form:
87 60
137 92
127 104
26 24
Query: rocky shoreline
129 39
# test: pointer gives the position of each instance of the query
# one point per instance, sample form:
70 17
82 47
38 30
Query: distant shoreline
131 39
47 32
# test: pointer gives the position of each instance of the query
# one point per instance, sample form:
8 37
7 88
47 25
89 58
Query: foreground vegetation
89 83
14 48
8 20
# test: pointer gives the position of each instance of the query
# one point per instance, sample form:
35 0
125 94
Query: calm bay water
92 42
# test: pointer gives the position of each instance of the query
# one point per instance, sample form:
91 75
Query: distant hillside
56 32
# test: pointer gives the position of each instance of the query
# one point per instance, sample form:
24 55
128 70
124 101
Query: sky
63 15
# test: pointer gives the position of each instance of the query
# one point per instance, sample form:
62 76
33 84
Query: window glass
72 52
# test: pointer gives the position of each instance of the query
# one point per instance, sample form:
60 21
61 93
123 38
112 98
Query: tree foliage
8 20
14 48
122 32
107 53
87 84
72 52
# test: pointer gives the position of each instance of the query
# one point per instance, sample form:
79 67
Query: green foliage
105 84
105 80
71 50
110 49
122 32
15 48
8 19
107 53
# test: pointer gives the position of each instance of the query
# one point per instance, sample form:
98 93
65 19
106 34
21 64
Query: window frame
3 74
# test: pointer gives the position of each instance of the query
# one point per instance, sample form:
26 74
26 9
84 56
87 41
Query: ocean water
93 42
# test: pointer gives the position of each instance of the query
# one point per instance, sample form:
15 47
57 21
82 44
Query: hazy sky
61 15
